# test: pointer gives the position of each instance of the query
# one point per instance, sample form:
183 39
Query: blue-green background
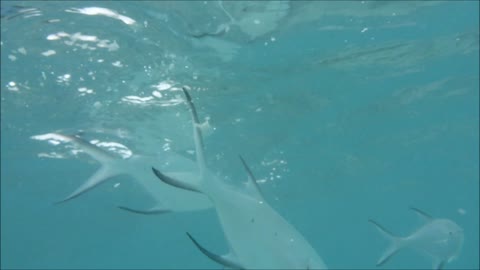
367 122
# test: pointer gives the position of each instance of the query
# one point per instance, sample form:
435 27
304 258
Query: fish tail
110 166
196 186
396 243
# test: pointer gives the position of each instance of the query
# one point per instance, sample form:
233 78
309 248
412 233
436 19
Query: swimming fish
440 239
258 237
167 198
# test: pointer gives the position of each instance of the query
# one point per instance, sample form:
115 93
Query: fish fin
100 176
422 214
396 243
197 134
199 151
253 180
151 211
110 166
438 264
174 182
93 151
226 260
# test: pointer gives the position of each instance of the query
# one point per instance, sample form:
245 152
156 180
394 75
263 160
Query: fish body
438 238
166 198
258 237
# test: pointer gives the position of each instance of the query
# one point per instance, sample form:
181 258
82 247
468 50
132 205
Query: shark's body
439 239
258 237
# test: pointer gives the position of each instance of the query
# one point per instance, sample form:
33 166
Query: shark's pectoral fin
151 211
227 261
174 182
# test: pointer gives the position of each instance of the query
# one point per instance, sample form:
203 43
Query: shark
439 238
258 237
166 198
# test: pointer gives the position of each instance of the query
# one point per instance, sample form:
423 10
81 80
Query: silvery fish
440 239
258 237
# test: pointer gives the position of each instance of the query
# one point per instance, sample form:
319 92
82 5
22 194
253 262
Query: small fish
440 239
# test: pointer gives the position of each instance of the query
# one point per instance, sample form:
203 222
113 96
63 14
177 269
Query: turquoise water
345 111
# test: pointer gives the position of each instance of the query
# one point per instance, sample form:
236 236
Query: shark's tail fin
110 166
396 243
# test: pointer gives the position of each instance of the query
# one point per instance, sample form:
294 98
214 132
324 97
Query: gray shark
258 237
440 239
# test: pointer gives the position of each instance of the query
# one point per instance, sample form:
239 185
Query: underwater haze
344 110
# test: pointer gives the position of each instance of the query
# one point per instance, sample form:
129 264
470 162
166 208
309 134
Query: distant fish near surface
257 236
440 239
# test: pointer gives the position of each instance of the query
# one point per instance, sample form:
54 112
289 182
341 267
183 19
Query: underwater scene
239 135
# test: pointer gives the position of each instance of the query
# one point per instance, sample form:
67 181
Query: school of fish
257 236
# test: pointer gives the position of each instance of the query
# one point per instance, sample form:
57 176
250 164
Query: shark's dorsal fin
151 211
422 214
197 134
253 181
227 261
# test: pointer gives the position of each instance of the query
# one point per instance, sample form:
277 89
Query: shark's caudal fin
396 243
225 260
109 166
